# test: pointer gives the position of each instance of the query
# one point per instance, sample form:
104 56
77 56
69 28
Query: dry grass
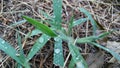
106 13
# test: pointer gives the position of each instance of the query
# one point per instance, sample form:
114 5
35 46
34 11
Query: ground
105 12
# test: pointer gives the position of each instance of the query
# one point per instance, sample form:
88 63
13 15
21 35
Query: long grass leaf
34 32
70 26
92 38
79 21
58 52
57 10
94 24
49 19
104 34
117 56
47 16
21 55
43 28
77 57
20 51
71 64
38 45
86 39
18 23
9 50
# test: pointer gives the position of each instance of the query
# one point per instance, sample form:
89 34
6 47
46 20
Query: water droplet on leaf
53 16
77 58
3 42
56 39
5 47
41 40
17 54
57 51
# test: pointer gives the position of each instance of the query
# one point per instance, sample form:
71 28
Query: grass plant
59 34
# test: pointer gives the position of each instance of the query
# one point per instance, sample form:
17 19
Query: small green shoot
9 50
37 46
94 24
57 10
77 57
40 26
58 52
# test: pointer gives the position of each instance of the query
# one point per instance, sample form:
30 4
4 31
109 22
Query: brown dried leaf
115 46
95 60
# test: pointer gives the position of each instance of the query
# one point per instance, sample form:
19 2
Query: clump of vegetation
59 34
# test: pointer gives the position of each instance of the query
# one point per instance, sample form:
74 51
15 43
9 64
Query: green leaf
58 52
20 51
57 10
92 38
40 26
86 39
9 50
94 24
117 56
18 23
71 64
70 26
79 21
77 57
104 34
34 32
45 14
49 19
19 66
38 45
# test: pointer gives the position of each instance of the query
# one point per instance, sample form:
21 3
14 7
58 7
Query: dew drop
17 54
41 40
3 42
48 39
56 39
77 57
5 47
53 16
61 11
57 51
31 49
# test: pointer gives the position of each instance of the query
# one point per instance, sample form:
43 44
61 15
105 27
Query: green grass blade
92 38
19 66
47 16
86 39
57 10
34 32
58 52
43 28
71 64
20 51
79 21
70 26
49 19
9 50
117 56
77 57
94 24
18 23
104 34
38 45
